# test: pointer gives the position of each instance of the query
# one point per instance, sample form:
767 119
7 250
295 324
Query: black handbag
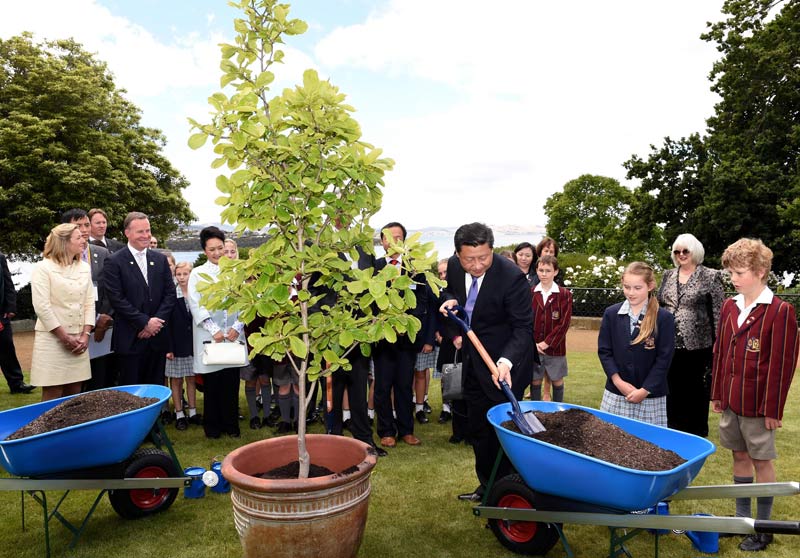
452 384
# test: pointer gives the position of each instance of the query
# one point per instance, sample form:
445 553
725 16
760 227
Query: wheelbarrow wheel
145 463
523 537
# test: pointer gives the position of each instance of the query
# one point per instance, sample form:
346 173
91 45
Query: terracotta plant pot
322 516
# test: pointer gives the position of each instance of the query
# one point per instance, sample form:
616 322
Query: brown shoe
411 440
388 442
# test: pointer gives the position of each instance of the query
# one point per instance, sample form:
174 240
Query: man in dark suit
97 234
394 362
9 363
103 373
497 299
142 292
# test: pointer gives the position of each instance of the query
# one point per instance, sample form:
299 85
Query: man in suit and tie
97 235
394 362
103 373
497 300
140 286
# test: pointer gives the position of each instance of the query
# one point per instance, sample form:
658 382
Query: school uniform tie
472 296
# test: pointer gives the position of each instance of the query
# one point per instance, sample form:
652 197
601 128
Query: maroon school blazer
754 364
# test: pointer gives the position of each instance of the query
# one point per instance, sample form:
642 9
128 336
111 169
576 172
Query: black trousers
484 440
146 367
221 402
394 371
104 373
355 383
9 364
687 402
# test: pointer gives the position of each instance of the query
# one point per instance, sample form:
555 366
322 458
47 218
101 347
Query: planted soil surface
83 408
292 471
585 433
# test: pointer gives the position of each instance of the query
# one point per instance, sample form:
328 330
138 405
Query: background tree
300 169
589 216
68 138
743 177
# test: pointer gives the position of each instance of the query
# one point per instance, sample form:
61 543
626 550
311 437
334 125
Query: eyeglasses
685 252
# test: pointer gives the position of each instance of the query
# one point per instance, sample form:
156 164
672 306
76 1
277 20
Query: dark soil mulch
292 471
583 432
83 408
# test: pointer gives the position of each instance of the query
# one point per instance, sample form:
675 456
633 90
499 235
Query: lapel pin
151 263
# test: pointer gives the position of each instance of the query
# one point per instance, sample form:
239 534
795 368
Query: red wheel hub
517 531
149 498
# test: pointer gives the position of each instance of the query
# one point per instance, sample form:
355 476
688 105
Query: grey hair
690 242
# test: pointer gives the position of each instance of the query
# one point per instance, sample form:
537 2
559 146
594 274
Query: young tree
69 138
300 169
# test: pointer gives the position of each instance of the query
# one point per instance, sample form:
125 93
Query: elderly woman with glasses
693 294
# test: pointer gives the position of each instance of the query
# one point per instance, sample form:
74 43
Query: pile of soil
585 433
292 471
83 408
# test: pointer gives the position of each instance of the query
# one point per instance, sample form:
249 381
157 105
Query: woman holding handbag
693 294
220 380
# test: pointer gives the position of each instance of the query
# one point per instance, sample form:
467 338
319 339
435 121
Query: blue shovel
526 422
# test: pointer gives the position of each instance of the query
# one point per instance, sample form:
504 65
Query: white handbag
225 353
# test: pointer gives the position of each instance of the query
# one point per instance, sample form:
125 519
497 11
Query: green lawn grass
413 508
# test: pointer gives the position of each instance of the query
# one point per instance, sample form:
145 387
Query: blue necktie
472 296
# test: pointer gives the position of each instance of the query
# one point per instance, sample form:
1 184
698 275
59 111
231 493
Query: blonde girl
635 346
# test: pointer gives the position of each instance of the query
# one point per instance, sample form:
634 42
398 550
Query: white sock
346 414
192 412
446 407
179 414
371 413
418 408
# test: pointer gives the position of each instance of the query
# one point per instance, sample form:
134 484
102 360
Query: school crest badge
753 344
556 315
650 343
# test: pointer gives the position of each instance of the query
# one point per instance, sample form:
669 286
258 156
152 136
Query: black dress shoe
426 407
422 417
445 417
23 388
181 424
379 451
346 424
755 543
455 439
255 423
166 417
196 418
284 427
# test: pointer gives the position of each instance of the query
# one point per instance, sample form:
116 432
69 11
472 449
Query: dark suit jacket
642 365
136 301
754 364
420 310
179 330
98 256
8 295
111 244
503 322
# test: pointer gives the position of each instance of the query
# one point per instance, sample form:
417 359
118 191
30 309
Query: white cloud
541 93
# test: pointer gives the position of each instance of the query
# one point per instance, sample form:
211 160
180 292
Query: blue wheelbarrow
553 486
103 454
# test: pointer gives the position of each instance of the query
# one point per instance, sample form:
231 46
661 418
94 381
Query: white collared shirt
546 294
764 298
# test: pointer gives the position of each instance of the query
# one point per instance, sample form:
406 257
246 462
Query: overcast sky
486 107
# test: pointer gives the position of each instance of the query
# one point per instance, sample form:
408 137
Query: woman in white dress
63 298
220 382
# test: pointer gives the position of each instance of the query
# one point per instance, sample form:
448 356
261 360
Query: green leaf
345 338
297 347
196 141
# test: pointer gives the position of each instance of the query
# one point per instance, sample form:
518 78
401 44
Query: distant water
442 243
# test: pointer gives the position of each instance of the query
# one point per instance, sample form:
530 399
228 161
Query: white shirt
140 256
764 298
545 294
